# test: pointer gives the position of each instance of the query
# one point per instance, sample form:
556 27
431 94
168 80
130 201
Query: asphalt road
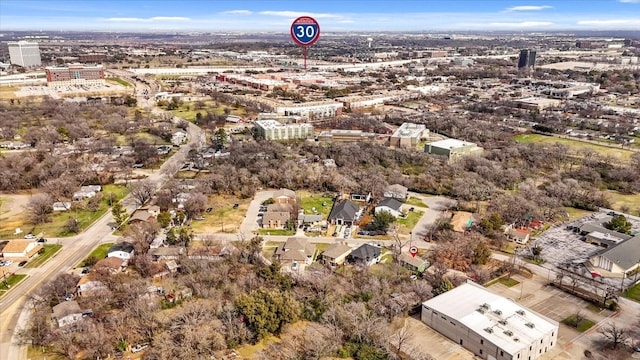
73 251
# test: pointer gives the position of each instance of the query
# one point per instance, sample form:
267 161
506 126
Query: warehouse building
453 149
408 135
489 325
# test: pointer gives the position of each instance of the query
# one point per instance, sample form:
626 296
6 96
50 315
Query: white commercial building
273 130
489 325
24 53
408 135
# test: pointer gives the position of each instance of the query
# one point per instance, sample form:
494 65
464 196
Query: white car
137 348
8 262
30 236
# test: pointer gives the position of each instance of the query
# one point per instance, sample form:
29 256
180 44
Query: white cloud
610 22
523 24
529 8
294 14
152 19
237 12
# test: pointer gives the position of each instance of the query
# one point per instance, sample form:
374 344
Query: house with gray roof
366 254
390 205
621 259
344 213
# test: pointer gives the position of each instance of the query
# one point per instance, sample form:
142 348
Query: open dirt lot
11 210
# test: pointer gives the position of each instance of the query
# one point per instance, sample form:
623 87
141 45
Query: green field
575 145
577 213
188 112
309 201
412 200
99 252
47 252
619 200
56 225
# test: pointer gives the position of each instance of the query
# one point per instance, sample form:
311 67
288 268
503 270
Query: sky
332 15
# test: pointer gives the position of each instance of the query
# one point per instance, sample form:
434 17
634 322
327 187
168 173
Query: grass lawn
584 325
223 217
508 282
119 190
619 200
407 224
309 201
276 232
100 252
56 225
43 353
11 281
118 81
412 200
188 112
633 293
575 145
49 251
577 213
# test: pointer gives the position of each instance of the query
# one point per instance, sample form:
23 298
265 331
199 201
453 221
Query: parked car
22 263
8 262
1 263
235 206
85 270
209 210
29 236
200 217
42 240
69 297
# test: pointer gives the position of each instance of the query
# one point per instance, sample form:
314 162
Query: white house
389 205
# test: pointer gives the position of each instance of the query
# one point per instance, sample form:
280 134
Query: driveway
436 205
250 222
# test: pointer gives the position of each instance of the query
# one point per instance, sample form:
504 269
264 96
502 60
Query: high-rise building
24 53
527 58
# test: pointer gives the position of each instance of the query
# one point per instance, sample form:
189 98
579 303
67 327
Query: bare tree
614 335
399 338
142 191
39 208
195 205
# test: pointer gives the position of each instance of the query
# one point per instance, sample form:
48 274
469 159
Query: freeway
74 249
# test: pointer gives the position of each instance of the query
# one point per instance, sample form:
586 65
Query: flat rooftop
503 322
451 144
409 130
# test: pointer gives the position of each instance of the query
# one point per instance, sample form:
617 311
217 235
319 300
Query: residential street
73 251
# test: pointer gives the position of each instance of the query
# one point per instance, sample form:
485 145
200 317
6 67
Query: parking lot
561 246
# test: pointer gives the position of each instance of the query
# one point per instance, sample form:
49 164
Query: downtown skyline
333 16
